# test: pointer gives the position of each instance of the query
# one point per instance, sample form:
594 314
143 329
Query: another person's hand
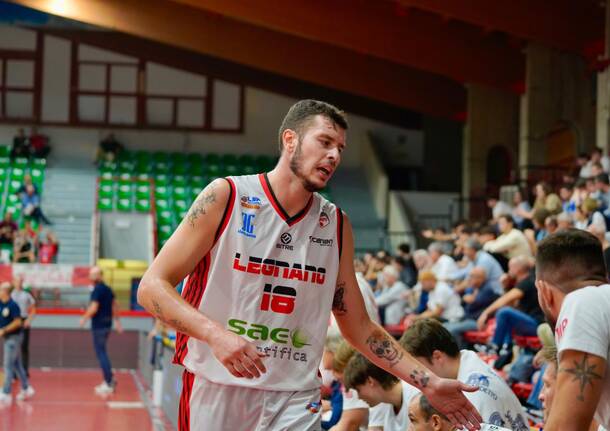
238 356
482 321
447 396
82 322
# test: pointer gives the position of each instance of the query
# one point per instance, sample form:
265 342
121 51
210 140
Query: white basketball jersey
269 278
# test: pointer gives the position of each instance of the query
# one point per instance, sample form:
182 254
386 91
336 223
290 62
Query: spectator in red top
7 229
39 144
49 247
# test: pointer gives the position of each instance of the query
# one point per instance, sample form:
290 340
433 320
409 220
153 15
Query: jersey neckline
275 203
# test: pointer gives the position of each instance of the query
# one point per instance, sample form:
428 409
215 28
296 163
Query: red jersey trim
226 216
340 230
184 409
278 207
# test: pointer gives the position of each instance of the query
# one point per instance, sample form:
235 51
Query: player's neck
288 190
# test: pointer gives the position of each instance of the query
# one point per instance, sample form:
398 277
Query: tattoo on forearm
584 373
338 302
158 310
384 347
419 378
199 207
178 325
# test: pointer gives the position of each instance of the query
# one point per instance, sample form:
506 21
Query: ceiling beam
563 24
382 29
264 49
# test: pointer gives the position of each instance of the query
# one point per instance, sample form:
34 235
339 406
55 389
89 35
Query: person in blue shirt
482 259
478 296
30 202
103 310
10 330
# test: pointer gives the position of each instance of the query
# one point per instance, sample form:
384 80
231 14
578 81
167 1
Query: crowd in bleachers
473 288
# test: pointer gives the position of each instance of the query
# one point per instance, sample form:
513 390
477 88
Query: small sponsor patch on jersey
250 202
324 220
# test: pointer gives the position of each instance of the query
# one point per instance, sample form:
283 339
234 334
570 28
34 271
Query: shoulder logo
324 220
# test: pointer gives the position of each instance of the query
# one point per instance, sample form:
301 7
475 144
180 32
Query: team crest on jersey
247 226
324 220
250 202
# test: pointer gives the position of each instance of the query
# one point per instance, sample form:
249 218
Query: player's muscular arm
578 388
191 241
385 352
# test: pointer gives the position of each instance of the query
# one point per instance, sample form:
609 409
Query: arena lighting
61 7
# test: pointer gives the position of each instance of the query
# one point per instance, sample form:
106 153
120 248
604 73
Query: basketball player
574 294
267 259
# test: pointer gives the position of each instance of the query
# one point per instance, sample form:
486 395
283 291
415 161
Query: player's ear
290 140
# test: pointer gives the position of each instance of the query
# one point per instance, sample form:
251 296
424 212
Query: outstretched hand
447 397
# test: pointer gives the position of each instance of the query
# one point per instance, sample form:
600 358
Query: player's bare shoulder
210 204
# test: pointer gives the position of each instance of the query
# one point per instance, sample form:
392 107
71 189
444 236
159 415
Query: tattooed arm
385 352
577 391
191 241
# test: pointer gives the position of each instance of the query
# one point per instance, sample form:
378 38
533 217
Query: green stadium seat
212 159
143 191
104 204
108 165
180 169
197 169
160 156
125 176
20 162
5 151
161 166
124 205
17 174
124 155
161 180
162 204
199 181
143 205
213 170
245 159
143 176
228 159
107 175
195 158
37 175
126 165
16 210
5 162
165 230
14 186
179 180
180 214
3 174
180 193
162 192
248 169
178 158
125 190
142 157
106 189
194 193
180 205
12 200
38 163
232 169
165 217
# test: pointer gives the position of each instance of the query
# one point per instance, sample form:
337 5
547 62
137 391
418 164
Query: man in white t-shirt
443 266
387 396
433 345
424 417
575 297
392 296
443 302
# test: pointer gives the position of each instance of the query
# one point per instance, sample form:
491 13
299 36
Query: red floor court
65 401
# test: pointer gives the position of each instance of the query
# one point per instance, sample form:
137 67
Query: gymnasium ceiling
413 54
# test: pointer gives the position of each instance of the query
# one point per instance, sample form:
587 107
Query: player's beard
549 316
296 166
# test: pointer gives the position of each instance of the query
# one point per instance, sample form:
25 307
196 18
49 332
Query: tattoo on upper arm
420 378
584 373
200 206
384 347
338 301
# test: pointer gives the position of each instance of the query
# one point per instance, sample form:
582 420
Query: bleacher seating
170 180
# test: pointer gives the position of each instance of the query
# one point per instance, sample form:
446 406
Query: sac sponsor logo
290 340
285 242
322 242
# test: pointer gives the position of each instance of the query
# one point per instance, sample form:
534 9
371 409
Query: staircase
68 200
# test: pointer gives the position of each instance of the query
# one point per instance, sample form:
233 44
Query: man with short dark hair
434 346
574 294
387 396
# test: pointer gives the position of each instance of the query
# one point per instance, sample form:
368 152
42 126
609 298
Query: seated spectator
566 193
582 166
588 213
498 208
27 182
443 302
424 417
39 144
596 169
512 242
408 275
48 249
545 198
564 221
30 203
539 231
602 190
391 300
21 146
522 319
480 293
432 345
443 266
23 248
387 396
520 205
8 228
109 149
477 257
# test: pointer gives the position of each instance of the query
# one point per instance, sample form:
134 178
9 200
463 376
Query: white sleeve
378 414
442 295
390 295
351 401
583 323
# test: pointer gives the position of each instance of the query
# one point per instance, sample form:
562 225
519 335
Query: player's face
318 153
